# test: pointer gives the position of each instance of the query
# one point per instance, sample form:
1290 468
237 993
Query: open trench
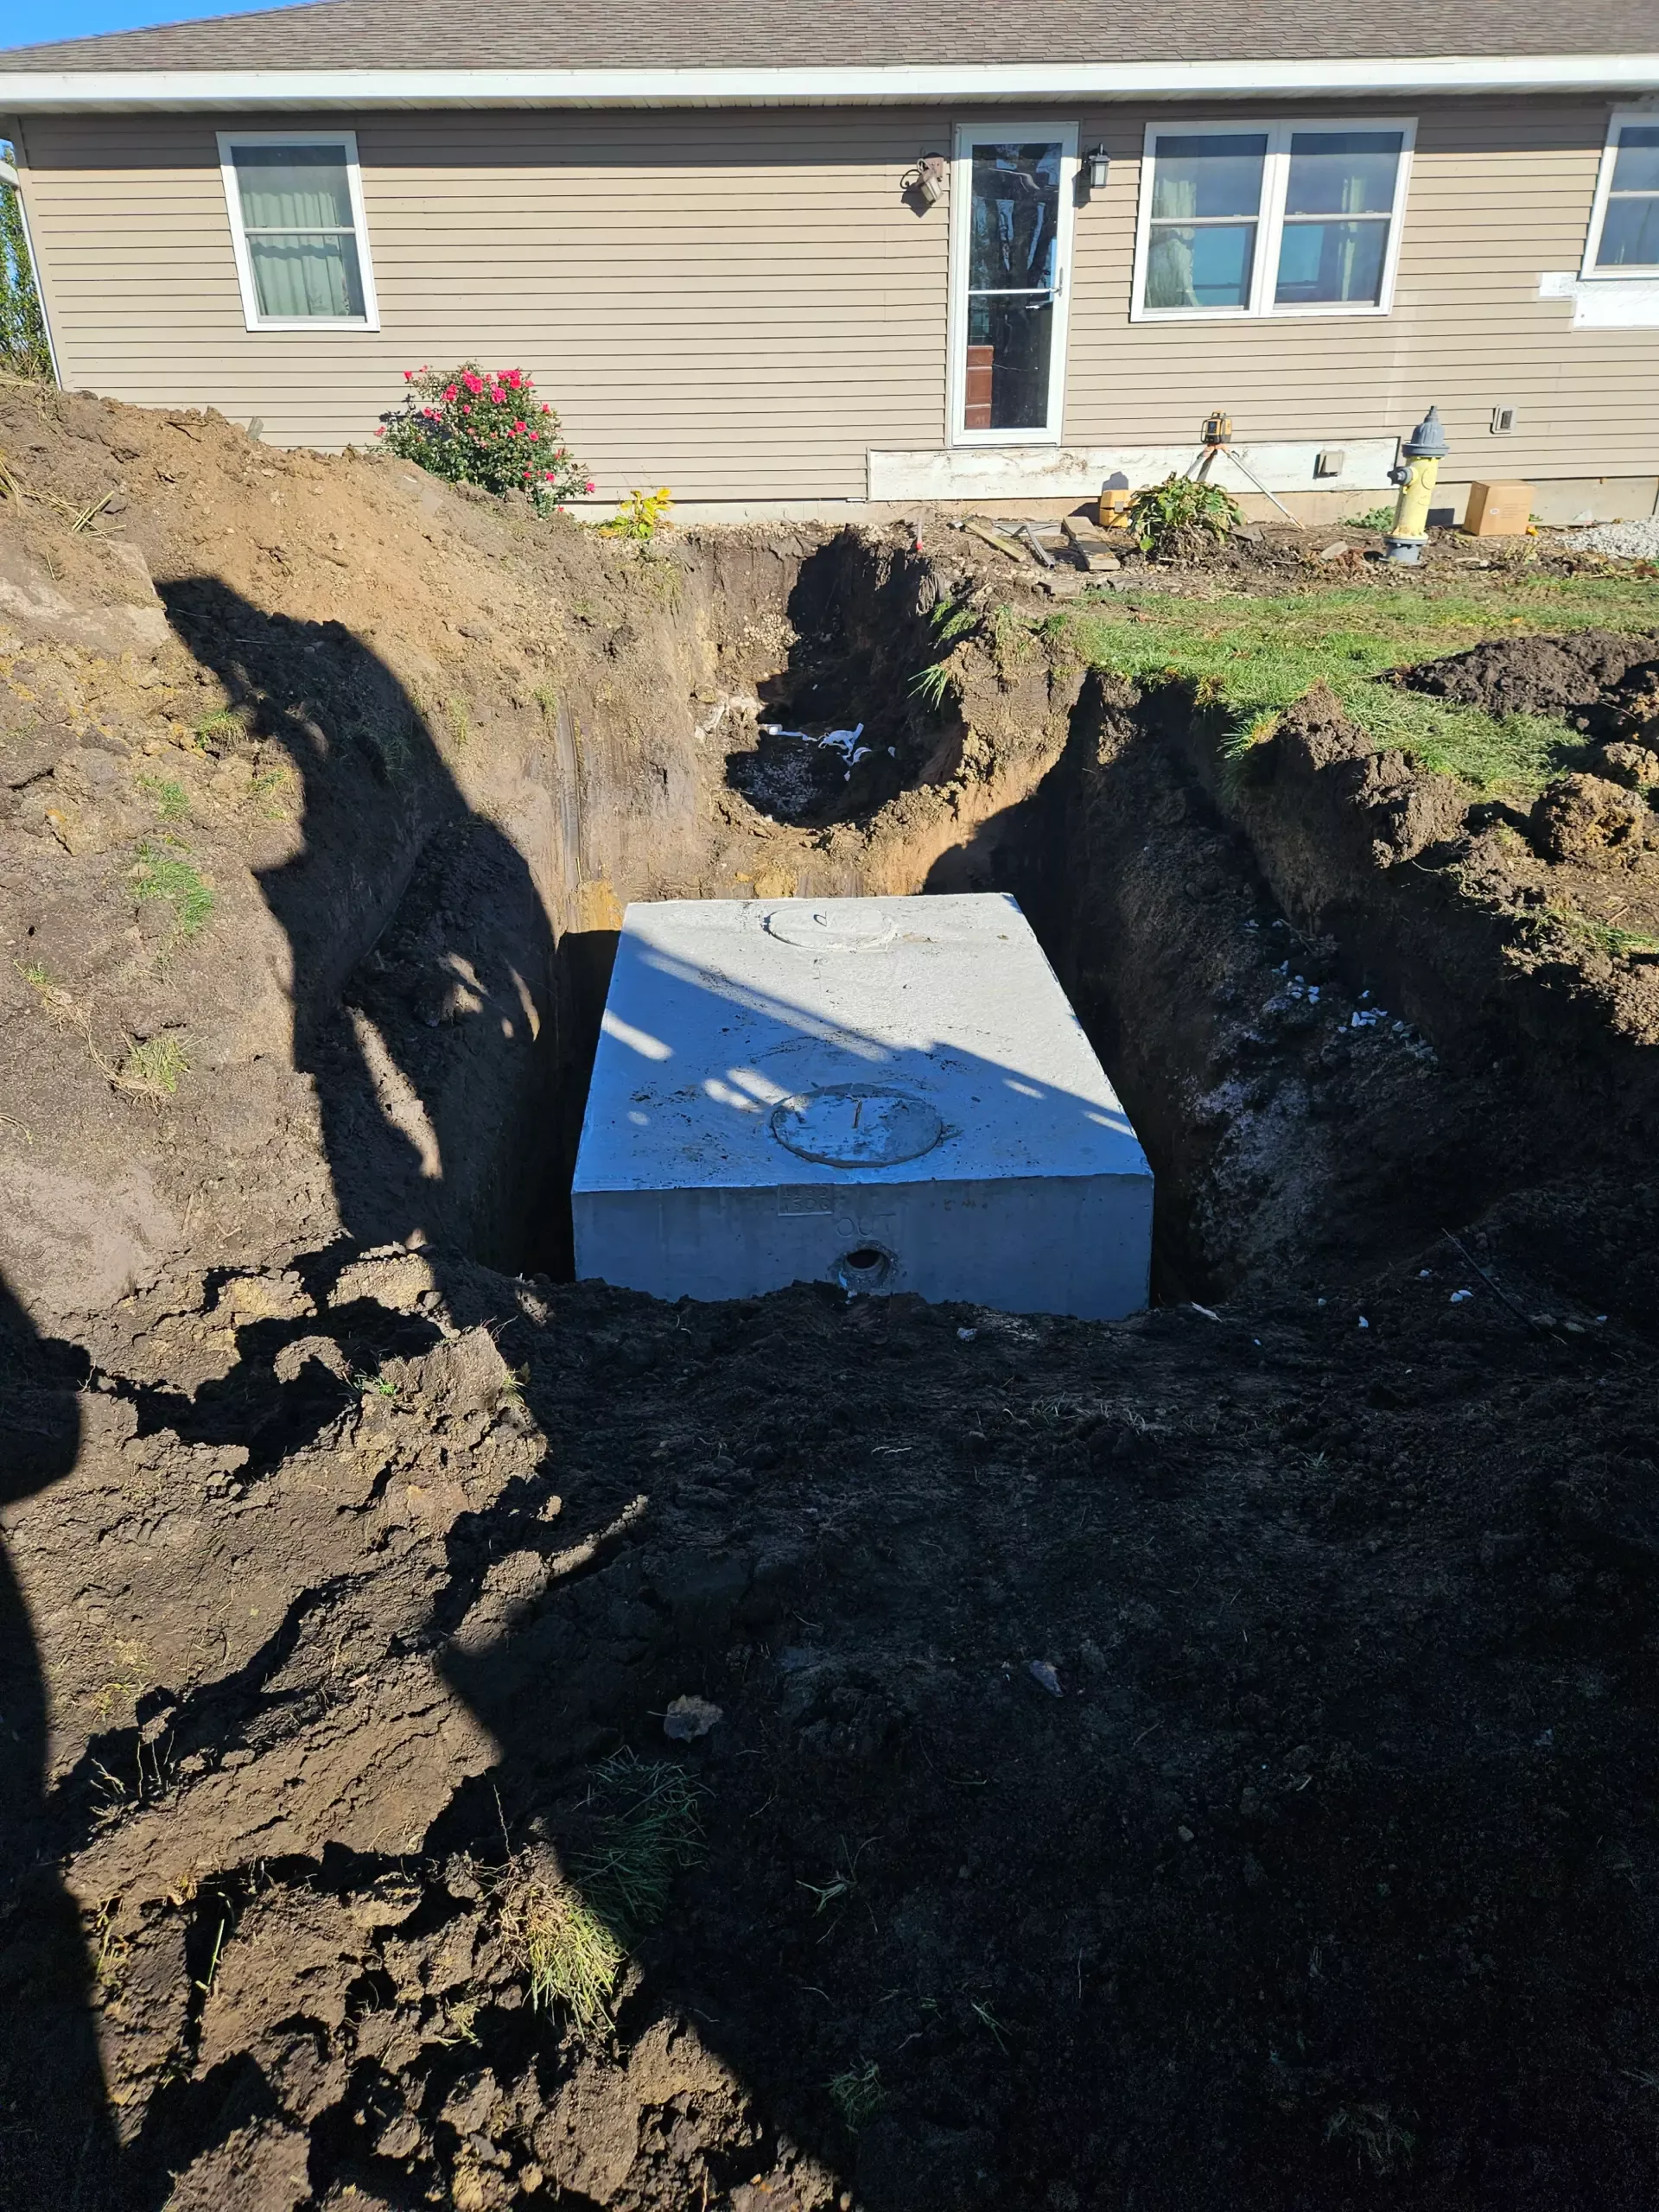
411 1548
1323 1045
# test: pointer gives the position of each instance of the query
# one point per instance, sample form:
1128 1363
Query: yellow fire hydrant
1415 473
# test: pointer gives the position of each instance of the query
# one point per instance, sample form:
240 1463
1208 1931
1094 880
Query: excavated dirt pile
476 1739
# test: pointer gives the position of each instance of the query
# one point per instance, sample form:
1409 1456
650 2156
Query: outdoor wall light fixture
926 180
1098 164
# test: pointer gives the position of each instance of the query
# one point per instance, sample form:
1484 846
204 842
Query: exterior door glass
1014 277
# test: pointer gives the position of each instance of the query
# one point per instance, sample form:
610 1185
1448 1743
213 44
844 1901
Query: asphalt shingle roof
852 33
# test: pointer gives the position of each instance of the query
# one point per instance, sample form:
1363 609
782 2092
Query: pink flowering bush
484 427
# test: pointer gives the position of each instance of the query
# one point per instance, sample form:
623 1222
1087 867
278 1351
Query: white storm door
1011 205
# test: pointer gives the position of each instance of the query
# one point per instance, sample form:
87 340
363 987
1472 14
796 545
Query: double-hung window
1624 222
1258 219
301 243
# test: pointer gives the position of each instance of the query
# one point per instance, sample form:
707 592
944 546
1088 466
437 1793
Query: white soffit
27 92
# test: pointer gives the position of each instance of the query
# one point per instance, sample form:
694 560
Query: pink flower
381 432
548 473
588 485
409 376
534 434
546 409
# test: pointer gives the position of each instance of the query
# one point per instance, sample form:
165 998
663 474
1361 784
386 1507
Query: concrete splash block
888 1094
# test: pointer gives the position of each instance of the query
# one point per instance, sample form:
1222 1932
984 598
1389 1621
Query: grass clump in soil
572 1958
573 1929
948 622
169 797
1584 933
223 729
1380 2143
857 2094
164 874
156 1066
1249 657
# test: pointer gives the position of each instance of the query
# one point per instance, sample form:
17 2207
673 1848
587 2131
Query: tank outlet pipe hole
866 1266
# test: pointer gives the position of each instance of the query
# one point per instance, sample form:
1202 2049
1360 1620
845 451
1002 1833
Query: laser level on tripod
1216 437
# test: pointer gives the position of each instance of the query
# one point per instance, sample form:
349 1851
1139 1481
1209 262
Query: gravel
1629 541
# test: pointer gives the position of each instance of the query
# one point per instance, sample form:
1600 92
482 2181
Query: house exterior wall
741 304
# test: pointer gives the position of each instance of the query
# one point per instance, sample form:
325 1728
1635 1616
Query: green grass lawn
1252 656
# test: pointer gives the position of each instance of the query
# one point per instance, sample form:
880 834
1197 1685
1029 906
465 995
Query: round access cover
857 1125
836 925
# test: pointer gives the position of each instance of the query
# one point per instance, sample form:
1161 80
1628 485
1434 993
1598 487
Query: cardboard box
1497 509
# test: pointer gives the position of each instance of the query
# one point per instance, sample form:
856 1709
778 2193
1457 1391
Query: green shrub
484 427
1373 517
641 516
1182 517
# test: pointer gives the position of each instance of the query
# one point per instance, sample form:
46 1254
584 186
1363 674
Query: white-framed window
1624 239
301 245
1242 218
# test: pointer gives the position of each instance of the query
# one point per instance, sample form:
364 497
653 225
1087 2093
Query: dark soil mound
1572 675
1199 1761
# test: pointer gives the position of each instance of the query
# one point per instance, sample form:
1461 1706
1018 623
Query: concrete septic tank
888 1094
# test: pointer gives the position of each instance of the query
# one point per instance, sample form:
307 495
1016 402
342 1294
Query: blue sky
27 23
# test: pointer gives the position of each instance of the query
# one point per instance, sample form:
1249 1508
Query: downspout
13 130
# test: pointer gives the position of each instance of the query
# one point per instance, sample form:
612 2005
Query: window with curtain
294 205
1282 220
1629 235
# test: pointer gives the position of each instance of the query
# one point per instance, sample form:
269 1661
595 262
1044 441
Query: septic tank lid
837 926
857 1125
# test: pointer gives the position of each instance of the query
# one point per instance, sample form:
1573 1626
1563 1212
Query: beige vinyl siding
1499 193
741 304
716 303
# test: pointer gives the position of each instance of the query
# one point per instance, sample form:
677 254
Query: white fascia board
60 92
